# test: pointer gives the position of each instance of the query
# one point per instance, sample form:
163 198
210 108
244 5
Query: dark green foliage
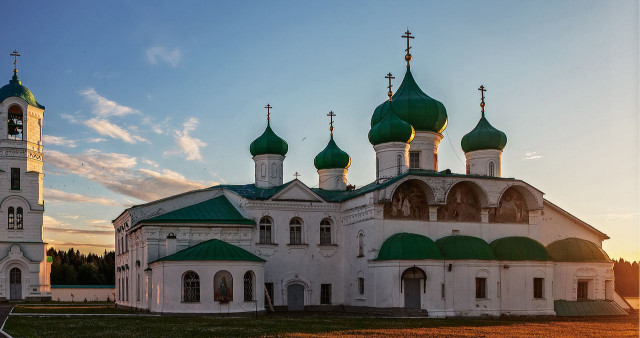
72 268
626 274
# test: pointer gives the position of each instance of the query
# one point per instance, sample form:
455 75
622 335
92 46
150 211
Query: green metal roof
464 247
212 250
576 250
391 128
269 143
332 157
16 89
519 249
408 246
582 308
415 107
214 211
483 136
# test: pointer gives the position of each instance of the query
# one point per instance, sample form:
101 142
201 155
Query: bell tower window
19 219
14 123
414 160
11 218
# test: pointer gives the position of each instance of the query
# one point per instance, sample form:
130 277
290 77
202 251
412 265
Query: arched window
263 170
361 245
11 218
14 123
399 164
295 231
19 218
190 287
492 168
248 286
325 232
274 170
265 230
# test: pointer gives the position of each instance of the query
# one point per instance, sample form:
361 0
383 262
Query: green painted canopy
391 128
16 89
408 246
519 249
576 250
217 210
212 250
465 247
332 157
269 143
483 136
415 107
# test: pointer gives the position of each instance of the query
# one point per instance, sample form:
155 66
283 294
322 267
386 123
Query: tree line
73 268
626 274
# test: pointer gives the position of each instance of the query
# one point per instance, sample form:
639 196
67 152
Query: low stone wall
80 293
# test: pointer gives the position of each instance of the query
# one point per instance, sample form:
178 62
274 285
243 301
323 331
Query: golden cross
482 90
296 175
268 106
331 115
15 60
408 36
389 76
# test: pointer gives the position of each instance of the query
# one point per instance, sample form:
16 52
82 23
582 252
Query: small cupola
332 164
390 138
268 152
483 146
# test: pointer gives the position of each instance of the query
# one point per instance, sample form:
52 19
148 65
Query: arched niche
512 208
463 204
410 201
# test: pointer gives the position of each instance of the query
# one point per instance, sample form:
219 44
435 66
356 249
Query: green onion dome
332 157
465 247
414 106
483 136
269 143
576 250
519 249
16 89
408 246
391 128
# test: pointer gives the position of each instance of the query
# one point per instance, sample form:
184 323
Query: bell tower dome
268 152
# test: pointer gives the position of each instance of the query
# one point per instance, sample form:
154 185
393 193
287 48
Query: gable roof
296 191
212 250
602 235
214 211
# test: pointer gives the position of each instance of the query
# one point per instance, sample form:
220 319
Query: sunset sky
149 99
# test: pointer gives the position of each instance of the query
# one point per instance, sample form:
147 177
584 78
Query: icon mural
462 205
511 209
409 202
223 287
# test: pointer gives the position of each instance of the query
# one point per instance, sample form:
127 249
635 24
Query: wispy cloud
187 144
104 107
106 128
95 140
531 155
118 173
59 141
161 53
52 195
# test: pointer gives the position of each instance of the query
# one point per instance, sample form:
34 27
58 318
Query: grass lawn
93 308
317 325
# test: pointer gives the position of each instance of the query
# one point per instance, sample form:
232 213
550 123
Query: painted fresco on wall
462 205
223 287
511 209
409 202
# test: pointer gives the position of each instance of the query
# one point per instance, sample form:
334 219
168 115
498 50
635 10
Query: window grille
191 287
481 288
583 290
492 169
248 286
325 293
265 230
414 160
361 286
537 287
11 218
325 232
19 218
399 164
295 231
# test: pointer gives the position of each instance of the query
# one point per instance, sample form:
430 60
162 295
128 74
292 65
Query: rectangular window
325 293
295 234
325 235
414 160
361 286
583 290
138 291
442 294
481 288
15 178
265 234
537 287
268 296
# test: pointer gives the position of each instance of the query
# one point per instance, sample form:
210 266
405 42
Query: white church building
416 241
24 266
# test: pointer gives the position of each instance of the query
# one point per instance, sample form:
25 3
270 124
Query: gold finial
482 90
408 36
15 60
331 115
390 93
268 106
297 175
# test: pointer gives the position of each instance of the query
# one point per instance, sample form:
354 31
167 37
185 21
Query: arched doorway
295 297
411 279
15 284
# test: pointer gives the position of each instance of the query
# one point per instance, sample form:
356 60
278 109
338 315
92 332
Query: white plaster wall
426 143
478 162
567 274
332 179
268 170
556 225
82 292
516 291
387 154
